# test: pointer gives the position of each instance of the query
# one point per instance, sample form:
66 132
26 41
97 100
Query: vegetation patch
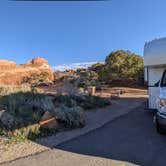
35 79
24 110
86 102
26 107
7 90
72 117
21 111
122 67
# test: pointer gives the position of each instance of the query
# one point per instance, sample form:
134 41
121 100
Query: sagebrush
71 116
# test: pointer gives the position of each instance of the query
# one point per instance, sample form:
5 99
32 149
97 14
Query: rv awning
155 53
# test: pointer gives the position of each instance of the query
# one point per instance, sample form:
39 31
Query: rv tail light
162 103
162 106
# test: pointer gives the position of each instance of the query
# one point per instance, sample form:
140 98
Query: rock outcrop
13 74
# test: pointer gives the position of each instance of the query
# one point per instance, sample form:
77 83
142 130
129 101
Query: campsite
82 83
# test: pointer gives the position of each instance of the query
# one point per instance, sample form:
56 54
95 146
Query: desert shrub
7 90
3 132
35 79
90 102
26 107
87 78
31 131
69 87
124 64
71 116
84 101
27 110
65 100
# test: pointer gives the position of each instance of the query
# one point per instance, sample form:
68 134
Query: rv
155 75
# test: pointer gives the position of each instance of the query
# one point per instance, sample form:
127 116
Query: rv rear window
163 82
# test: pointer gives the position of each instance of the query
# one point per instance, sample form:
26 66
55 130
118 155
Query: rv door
154 92
163 86
154 75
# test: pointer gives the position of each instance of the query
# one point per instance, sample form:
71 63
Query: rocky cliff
13 74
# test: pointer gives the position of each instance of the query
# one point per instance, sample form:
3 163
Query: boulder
49 121
37 61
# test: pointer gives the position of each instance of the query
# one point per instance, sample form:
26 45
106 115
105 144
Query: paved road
128 140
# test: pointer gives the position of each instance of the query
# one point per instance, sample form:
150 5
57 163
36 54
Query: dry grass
7 90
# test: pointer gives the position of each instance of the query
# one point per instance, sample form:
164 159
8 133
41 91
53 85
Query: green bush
90 102
71 116
64 100
35 79
124 65
119 65
27 108
84 101
87 78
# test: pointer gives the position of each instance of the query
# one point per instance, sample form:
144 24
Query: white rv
155 74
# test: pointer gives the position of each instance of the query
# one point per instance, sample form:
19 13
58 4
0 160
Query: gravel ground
12 151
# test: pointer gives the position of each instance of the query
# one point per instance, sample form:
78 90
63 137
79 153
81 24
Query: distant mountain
74 66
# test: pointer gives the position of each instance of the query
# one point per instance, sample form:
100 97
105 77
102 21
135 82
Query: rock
6 119
7 63
13 74
38 61
48 120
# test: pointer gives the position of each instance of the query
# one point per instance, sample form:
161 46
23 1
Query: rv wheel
159 128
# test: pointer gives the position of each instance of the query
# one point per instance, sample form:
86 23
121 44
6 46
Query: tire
160 129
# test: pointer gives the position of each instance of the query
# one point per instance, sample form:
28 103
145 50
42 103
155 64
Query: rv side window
163 82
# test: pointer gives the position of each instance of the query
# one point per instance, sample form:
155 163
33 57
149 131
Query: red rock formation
13 74
37 62
4 65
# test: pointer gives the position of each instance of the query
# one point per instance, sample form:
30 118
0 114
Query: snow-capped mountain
73 66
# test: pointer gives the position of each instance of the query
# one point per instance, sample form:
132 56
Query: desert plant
84 101
29 132
123 65
27 110
70 87
7 90
71 116
87 78
24 133
90 102
26 107
64 100
35 79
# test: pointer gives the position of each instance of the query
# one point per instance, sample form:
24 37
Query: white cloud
73 66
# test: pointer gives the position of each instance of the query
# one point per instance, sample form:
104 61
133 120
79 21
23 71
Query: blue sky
70 32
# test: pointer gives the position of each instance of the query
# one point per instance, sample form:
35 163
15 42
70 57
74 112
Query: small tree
35 79
124 65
